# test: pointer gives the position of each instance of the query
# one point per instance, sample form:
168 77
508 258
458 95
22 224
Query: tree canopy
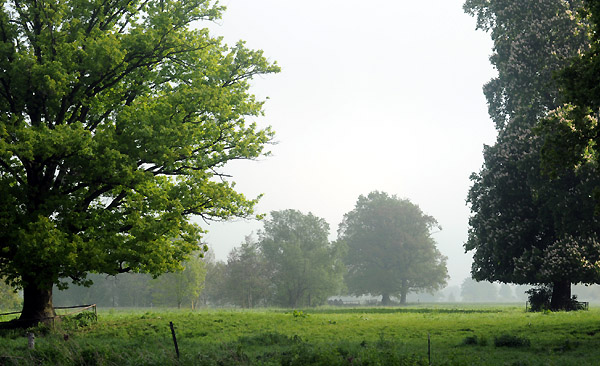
571 131
526 227
117 119
247 276
305 268
183 286
390 248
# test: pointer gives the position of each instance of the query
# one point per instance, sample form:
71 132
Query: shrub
471 340
574 305
474 340
84 319
508 340
299 314
539 298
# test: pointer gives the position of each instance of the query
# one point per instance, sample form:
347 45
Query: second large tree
390 249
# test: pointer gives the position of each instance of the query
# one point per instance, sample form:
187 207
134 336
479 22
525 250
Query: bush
84 319
474 340
471 340
539 298
508 340
574 305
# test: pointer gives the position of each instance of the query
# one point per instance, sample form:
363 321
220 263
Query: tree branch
12 172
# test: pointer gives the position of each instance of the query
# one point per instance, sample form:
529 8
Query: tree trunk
561 295
37 305
403 298
403 292
385 299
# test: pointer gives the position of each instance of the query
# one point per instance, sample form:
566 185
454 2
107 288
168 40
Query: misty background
372 96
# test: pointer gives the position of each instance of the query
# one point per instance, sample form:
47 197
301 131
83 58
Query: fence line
83 308
14 312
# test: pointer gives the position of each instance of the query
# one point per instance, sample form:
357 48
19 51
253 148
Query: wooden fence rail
80 307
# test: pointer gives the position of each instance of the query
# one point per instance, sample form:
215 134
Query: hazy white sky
379 95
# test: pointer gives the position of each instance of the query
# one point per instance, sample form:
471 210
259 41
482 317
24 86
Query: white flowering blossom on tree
522 220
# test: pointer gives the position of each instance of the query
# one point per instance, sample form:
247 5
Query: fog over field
376 95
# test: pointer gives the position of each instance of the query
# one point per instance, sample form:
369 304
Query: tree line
384 248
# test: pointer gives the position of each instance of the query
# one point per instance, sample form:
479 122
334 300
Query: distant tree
587 292
421 297
214 282
134 289
9 298
505 293
246 278
521 292
305 267
527 228
125 289
390 248
451 297
473 291
450 293
103 292
183 286
117 118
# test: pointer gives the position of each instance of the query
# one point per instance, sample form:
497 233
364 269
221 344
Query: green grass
467 335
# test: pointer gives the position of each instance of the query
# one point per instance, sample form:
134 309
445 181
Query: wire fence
579 305
81 308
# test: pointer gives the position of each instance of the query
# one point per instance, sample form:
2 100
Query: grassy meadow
460 335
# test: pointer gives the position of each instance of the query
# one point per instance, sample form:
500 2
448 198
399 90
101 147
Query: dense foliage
292 265
305 268
390 248
526 227
247 279
175 289
571 130
117 117
9 298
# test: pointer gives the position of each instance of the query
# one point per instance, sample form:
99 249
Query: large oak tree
117 117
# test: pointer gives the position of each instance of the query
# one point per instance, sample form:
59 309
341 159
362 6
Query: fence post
30 340
174 339
429 348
